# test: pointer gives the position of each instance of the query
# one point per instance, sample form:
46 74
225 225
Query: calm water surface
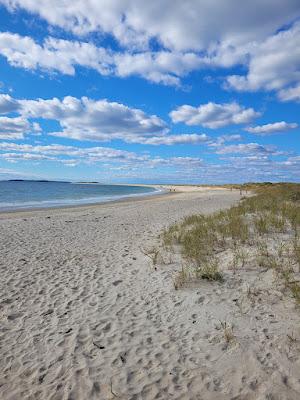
30 194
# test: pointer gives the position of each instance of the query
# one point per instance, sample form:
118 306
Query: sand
84 315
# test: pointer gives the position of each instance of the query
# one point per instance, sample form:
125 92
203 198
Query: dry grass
295 290
152 253
209 271
227 331
267 224
296 250
180 278
240 258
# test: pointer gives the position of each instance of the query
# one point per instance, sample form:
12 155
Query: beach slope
84 315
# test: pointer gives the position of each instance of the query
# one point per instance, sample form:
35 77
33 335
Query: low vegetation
227 331
261 231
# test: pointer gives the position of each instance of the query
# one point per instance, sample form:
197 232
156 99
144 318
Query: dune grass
263 228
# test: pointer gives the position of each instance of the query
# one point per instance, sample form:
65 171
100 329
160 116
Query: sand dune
85 316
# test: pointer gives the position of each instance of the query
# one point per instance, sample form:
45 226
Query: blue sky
170 91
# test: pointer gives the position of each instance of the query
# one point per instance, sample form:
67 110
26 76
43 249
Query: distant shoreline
82 203
70 203
161 192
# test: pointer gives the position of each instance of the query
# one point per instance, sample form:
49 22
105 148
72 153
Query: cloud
253 163
293 162
269 129
183 162
14 157
241 168
183 46
160 67
248 148
192 25
230 138
223 139
63 56
63 153
94 120
213 115
274 64
169 140
54 54
290 94
73 154
15 128
97 120
8 104
110 158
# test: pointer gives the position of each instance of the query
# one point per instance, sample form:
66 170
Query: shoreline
162 191
84 206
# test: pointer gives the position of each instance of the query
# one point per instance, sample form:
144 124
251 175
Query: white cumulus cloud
15 128
269 129
8 104
87 119
248 148
54 54
274 64
213 115
290 94
93 120
184 138
189 36
193 24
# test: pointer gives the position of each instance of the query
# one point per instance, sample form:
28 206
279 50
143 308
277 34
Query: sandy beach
84 315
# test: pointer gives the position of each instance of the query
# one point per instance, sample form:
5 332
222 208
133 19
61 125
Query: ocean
18 195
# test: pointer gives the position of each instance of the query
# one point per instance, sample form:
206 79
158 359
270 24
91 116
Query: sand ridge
85 316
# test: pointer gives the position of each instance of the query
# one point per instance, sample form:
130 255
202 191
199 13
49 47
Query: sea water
16 195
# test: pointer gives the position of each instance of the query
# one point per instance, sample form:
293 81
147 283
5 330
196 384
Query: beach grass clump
239 258
295 290
278 223
266 225
181 278
227 330
261 224
153 253
228 333
171 236
209 271
296 250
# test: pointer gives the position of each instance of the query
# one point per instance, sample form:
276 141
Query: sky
167 91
